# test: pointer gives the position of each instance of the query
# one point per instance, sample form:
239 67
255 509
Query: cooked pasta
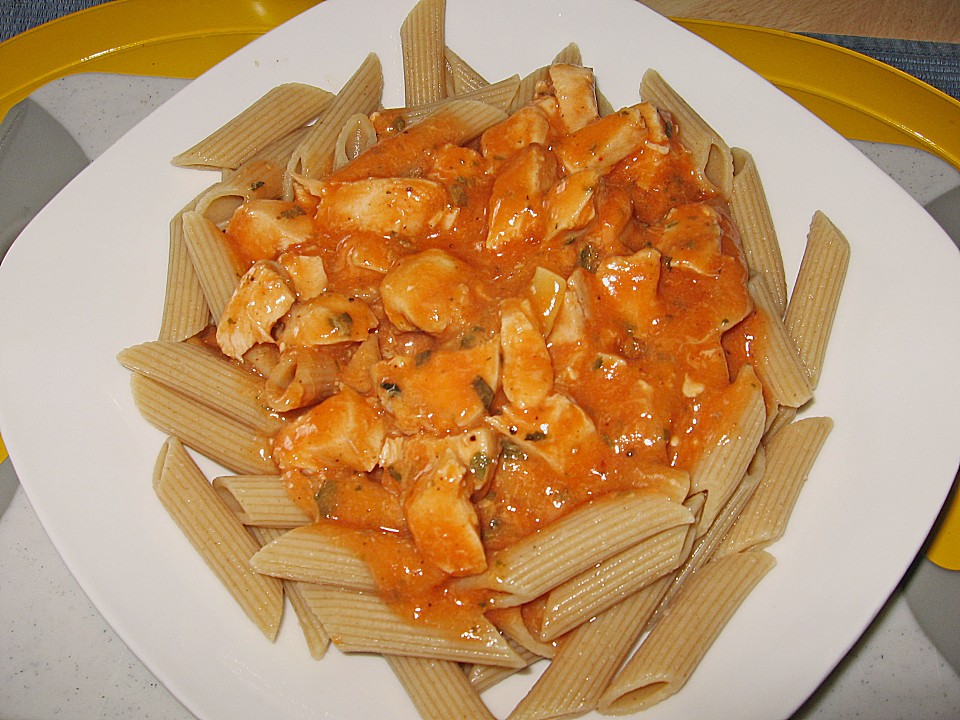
506 375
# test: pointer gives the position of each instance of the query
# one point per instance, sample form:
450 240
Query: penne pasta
779 367
221 438
362 622
185 309
219 538
314 156
789 456
569 546
321 553
218 271
280 111
198 373
497 384
748 203
313 633
422 38
816 293
711 153
588 658
463 76
724 463
675 646
438 688
591 592
261 501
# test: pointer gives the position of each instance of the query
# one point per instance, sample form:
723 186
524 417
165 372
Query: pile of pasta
504 376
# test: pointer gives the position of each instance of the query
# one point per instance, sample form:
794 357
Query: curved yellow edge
857 96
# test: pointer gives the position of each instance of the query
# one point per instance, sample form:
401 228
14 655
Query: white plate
86 279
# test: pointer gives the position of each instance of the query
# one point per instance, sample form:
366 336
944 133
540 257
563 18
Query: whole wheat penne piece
712 156
314 156
790 455
498 95
705 547
221 438
198 372
363 622
462 74
217 269
261 501
455 122
579 540
438 688
253 180
779 366
321 553
725 460
217 535
185 310
751 212
676 644
591 592
422 42
279 111
313 632
484 677
588 658
816 293
511 623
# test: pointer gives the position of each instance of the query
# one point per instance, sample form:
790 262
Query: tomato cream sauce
533 318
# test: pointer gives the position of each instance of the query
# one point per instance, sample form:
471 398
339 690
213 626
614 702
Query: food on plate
503 375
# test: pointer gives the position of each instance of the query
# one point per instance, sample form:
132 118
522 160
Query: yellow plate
859 97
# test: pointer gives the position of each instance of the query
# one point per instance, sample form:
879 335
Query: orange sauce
662 274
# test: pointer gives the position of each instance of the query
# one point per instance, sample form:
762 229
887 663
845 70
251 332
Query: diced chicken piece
570 326
528 126
527 375
443 391
436 484
327 319
656 128
575 90
369 252
456 165
263 296
570 203
307 274
546 296
602 144
691 239
357 372
556 430
626 287
261 229
400 207
516 200
429 291
343 433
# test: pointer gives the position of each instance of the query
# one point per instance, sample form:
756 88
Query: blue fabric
937 64
19 15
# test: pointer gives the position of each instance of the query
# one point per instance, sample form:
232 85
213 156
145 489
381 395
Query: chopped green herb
479 464
589 258
291 213
254 186
512 451
341 323
484 391
421 358
535 436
